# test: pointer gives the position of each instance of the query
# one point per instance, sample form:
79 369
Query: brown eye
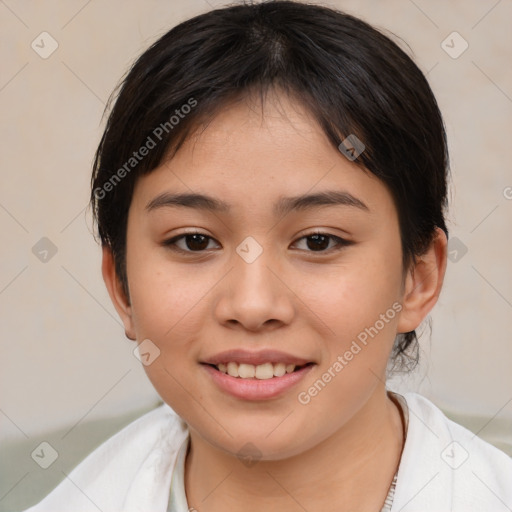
320 242
192 242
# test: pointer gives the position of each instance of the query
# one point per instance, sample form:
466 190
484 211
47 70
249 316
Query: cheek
168 309
361 313
161 294
359 305
354 294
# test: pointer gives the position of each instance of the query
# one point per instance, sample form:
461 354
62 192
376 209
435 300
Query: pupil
317 243
195 245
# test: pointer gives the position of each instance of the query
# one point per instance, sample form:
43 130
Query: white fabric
444 467
178 498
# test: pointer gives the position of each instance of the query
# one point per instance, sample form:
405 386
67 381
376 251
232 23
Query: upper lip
255 358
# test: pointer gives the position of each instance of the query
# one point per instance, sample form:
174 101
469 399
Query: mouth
264 371
256 376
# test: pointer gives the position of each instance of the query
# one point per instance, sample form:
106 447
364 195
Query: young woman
270 193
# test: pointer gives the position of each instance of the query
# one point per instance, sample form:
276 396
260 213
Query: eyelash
340 242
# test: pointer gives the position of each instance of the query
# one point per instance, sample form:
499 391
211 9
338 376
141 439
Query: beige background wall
65 361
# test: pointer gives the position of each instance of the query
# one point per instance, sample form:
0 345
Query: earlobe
423 284
116 292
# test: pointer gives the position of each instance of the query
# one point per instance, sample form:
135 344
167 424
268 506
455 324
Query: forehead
251 154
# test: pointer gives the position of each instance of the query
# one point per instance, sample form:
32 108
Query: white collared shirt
444 468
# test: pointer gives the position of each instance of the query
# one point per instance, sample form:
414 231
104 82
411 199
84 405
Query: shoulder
446 429
445 466
131 465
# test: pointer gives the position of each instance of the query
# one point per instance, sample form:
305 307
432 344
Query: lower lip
256 389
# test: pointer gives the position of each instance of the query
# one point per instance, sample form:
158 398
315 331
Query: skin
341 450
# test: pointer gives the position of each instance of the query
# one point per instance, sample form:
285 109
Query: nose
254 295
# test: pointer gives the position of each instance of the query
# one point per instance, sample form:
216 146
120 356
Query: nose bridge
251 267
253 294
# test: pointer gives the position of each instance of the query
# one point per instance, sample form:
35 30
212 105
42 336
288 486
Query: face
254 276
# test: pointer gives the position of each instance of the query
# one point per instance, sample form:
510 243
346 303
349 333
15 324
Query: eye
319 242
193 242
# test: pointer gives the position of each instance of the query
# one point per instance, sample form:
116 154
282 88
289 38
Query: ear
423 284
115 290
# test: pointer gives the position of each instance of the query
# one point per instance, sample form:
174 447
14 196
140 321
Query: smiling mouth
257 372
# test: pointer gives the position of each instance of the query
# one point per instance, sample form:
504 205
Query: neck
351 470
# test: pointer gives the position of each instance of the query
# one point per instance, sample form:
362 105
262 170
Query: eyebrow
283 206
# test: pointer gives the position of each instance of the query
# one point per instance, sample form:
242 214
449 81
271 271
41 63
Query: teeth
233 369
280 369
264 371
246 371
250 371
